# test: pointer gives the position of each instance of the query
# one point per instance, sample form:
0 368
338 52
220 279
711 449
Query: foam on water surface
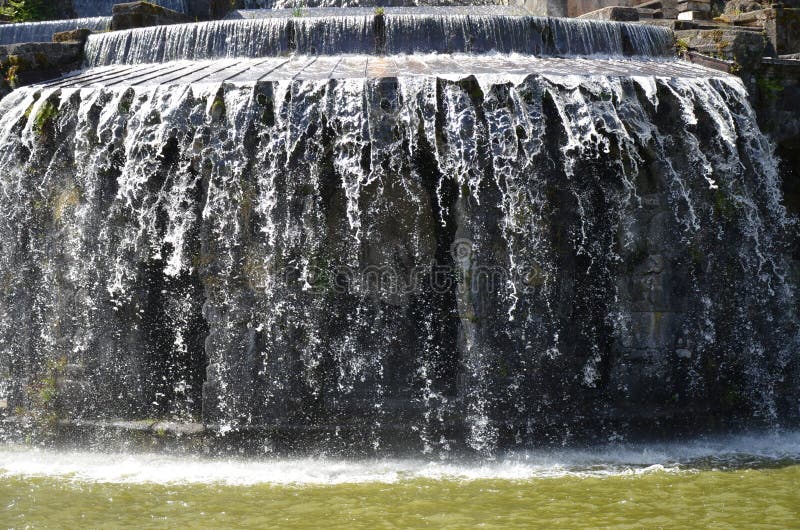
732 452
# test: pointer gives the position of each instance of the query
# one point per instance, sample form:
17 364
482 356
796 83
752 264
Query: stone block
143 14
663 9
693 15
576 8
783 30
76 35
615 13
743 46
694 5
24 64
737 7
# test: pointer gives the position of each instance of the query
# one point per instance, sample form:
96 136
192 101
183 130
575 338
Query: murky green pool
744 498
650 487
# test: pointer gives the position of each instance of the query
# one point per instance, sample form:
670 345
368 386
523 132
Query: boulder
76 35
737 7
143 14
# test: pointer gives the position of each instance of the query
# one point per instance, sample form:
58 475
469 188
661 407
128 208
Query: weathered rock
76 35
616 13
23 64
737 7
692 15
666 9
783 30
143 14
744 47
577 8
694 5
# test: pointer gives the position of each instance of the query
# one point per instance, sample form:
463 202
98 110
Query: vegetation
29 10
45 117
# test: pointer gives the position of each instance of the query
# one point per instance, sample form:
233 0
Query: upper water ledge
353 32
474 10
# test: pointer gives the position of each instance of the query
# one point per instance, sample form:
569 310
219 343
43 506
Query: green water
763 498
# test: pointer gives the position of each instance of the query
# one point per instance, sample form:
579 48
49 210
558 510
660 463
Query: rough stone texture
737 7
781 25
576 8
673 24
783 30
775 93
144 14
23 64
694 5
692 15
76 35
744 47
615 13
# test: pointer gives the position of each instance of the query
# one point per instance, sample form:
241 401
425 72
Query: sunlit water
730 482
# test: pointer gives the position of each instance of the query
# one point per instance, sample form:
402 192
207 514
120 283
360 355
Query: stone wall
24 64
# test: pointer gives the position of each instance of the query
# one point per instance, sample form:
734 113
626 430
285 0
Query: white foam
610 460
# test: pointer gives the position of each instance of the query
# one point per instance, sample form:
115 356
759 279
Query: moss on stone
44 119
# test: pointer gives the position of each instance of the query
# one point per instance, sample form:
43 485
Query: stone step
615 13
693 15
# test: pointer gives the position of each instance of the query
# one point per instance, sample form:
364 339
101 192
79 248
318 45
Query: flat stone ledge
614 13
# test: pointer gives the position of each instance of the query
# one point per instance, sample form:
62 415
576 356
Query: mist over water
726 453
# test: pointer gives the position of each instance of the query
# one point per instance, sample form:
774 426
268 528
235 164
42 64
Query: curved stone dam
418 229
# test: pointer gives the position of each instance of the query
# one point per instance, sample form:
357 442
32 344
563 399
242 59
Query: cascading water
43 31
423 250
393 33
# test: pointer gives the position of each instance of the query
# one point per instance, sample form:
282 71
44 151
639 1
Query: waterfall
404 33
233 38
450 257
43 31
94 8
405 230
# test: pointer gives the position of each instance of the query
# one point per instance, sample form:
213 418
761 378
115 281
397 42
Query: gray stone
76 35
693 15
143 14
694 5
737 7
616 13
23 64
744 47
576 8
